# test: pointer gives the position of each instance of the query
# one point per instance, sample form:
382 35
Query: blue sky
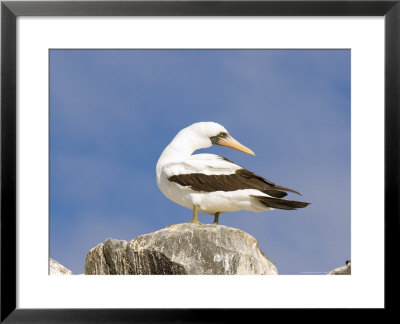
112 112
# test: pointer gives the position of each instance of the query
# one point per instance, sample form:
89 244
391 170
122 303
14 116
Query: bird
212 184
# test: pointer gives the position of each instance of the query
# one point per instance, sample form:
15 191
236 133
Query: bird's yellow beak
232 143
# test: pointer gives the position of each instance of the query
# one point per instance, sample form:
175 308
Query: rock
58 269
96 261
114 253
182 249
346 270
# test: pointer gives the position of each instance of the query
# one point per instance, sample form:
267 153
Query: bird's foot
195 219
195 222
191 222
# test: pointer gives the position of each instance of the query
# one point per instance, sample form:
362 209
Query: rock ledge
346 270
182 249
57 268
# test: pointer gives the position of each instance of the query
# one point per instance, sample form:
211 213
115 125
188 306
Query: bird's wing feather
281 203
208 172
208 164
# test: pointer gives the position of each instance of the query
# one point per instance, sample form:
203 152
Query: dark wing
240 179
281 203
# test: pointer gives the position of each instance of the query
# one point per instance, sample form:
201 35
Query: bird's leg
216 218
195 219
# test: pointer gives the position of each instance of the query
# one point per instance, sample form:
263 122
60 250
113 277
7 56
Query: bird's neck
177 151
184 145
173 153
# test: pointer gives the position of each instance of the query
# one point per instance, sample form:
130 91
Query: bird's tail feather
281 203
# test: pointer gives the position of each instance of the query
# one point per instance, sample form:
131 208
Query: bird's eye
222 134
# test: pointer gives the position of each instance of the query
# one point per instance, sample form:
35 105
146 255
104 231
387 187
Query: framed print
93 92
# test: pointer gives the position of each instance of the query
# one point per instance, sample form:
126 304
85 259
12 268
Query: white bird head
206 134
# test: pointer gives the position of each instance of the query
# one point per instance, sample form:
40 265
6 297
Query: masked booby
210 183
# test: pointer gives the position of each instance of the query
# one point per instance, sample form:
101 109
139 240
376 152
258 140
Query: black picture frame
10 10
